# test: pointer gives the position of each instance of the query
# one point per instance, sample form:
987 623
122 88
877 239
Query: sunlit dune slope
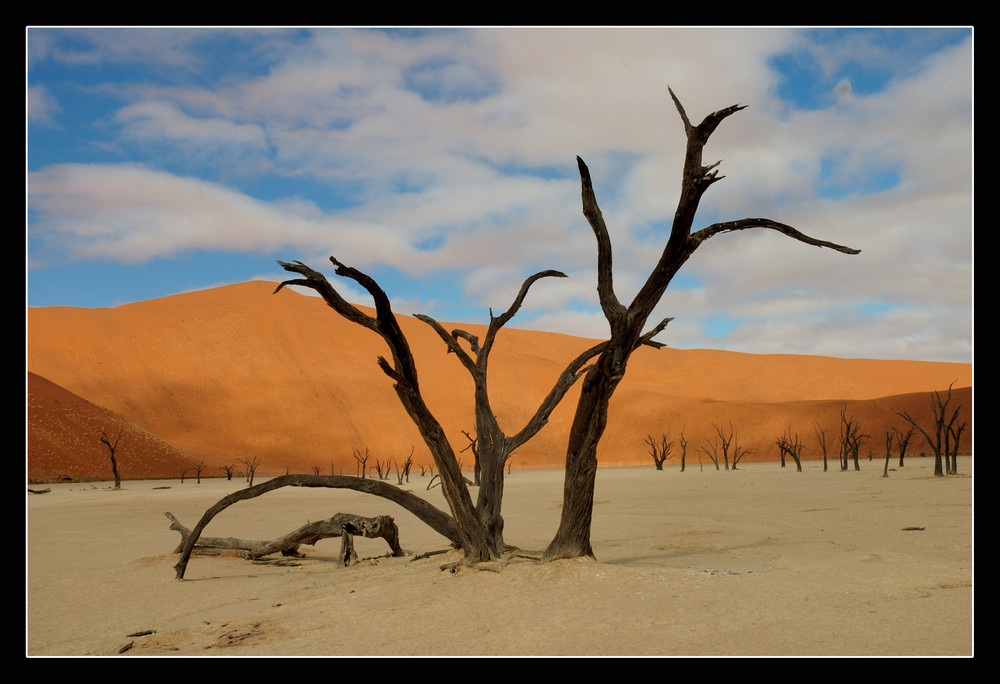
237 370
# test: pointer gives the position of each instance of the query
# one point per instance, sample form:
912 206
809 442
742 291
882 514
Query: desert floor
760 561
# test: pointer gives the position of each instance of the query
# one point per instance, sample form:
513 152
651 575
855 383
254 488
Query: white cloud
455 151
42 106
163 122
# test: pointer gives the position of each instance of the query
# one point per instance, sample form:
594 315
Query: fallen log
343 525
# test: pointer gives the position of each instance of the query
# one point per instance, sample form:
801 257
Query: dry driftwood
343 525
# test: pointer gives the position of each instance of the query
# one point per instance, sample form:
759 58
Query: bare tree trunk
902 441
790 444
821 436
112 447
572 539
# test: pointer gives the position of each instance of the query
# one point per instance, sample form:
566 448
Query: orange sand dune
236 370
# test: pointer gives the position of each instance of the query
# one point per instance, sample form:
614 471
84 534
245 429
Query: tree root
493 566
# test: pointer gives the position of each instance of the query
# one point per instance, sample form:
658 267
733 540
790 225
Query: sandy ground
761 561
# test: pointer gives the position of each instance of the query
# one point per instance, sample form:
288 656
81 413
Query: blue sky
442 162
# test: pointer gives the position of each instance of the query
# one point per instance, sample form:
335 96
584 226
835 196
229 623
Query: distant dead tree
889 435
659 450
362 462
789 444
728 442
945 430
682 440
183 470
112 447
739 451
198 468
383 468
821 437
228 470
315 470
473 446
851 440
902 441
955 432
251 463
711 449
724 442
403 473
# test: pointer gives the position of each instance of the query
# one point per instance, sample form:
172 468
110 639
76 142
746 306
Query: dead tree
627 322
944 430
183 470
739 452
198 468
362 462
382 468
228 470
724 442
851 440
729 443
343 525
821 437
789 444
404 472
659 450
251 463
956 434
889 435
711 449
684 447
112 447
902 441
